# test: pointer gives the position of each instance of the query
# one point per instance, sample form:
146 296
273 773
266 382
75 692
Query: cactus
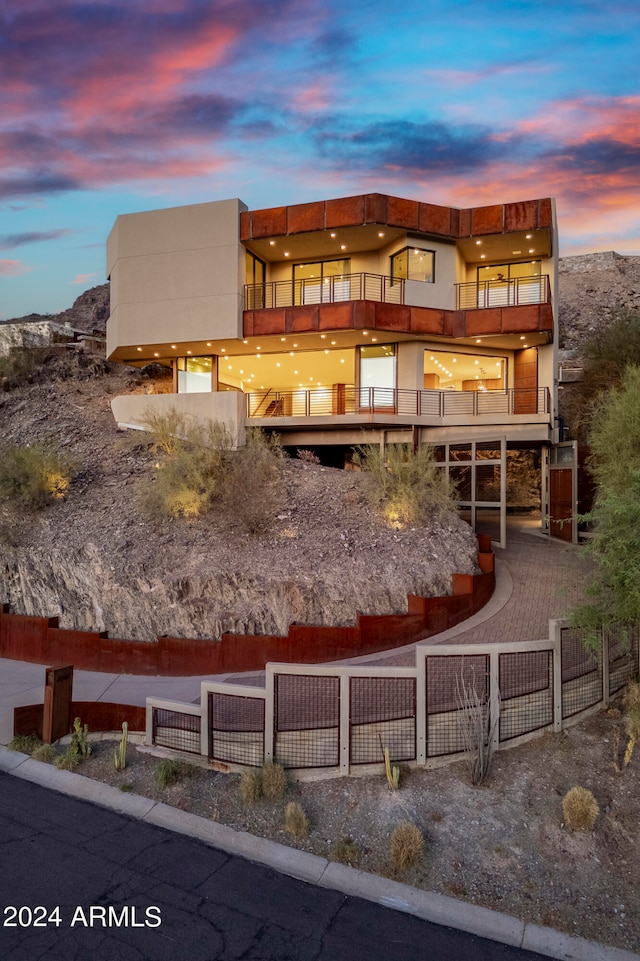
80 748
393 773
120 753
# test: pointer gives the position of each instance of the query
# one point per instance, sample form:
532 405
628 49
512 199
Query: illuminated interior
287 371
448 370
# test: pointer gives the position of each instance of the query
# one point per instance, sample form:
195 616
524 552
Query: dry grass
274 781
250 787
406 847
580 809
296 821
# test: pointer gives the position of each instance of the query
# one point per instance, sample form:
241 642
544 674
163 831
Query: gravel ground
502 845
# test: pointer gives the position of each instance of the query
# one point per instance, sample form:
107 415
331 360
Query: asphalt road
82 883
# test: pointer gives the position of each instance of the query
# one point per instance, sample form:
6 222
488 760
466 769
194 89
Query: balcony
329 290
409 406
516 292
519 291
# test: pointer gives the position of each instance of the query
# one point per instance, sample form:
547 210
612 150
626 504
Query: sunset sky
114 106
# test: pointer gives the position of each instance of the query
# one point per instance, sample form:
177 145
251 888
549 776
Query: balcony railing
498 293
326 290
389 290
333 401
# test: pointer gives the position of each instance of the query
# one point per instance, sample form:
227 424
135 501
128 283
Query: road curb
426 905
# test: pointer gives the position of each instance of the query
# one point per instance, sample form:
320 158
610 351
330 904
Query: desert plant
250 787
167 428
79 747
34 476
307 456
631 701
477 725
296 821
580 809
170 771
406 486
346 851
188 476
392 772
67 761
45 752
25 743
120 753
251 489
406 845
274 781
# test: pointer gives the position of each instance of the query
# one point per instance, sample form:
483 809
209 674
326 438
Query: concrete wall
228 407
175 273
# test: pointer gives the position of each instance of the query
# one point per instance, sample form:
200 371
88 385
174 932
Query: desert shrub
274 781
307 456
346 851
187 477
45 752
170 771
167 428
24 743
250 787
406 846
406 487
252 491
68 761
296 821
34 476
199 468
614 589
580 809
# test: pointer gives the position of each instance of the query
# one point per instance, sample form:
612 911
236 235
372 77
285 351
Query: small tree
614 590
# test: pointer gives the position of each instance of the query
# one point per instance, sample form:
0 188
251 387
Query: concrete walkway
537 579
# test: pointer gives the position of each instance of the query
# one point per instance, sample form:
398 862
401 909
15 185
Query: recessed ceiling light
523 337
286 253
528 236
295 345
365 333
334 235
156 354
323 336
272 243
516 252
333 343
343 246
482 257
208 343
245 341
173 346
478 242
277 363
188 351
223 350
283 339
138 348
381 233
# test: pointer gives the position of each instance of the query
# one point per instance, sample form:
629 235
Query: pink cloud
13 268
83 278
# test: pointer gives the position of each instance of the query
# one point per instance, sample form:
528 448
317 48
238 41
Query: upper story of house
364 306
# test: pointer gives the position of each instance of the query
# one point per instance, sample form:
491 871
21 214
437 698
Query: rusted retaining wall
39 640
99 715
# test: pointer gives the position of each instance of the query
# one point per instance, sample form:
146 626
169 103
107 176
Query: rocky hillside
97 561
591 288
90 312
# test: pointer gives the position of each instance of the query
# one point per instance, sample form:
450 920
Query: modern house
338 322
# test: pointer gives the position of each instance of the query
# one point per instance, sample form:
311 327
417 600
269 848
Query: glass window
454 370
256 275
322 283
194 375
378 375
413 263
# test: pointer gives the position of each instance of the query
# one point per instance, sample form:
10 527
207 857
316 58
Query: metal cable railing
344 399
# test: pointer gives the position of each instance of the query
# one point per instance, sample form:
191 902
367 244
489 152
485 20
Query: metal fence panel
623 660
306 720
446 675
236 728
175 730
526 692
582 682
382 715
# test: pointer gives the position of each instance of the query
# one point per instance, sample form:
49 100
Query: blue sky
111 107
